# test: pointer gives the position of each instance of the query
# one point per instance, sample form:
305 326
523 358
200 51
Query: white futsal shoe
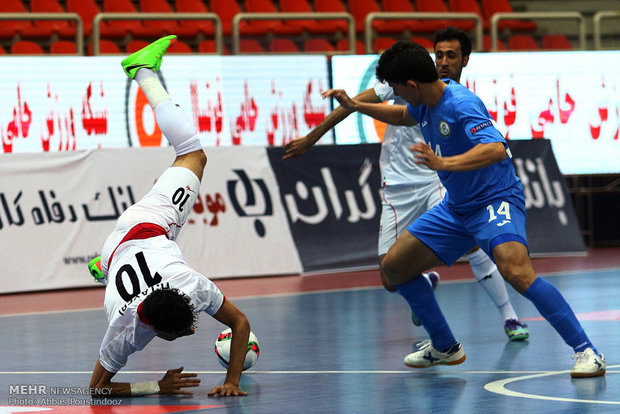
427 356
588 364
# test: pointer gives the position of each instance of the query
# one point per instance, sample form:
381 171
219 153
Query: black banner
552 226
331 196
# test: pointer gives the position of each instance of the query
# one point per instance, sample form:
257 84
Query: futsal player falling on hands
484 206
151 290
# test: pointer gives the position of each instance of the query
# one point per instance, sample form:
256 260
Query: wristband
144 388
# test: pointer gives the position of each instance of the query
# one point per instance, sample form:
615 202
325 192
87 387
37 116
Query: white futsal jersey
140 256
408 189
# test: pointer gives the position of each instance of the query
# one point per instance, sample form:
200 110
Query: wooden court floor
329 344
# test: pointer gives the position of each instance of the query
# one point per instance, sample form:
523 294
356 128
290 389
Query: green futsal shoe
148 57
94 267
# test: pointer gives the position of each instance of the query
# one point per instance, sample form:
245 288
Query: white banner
57 209
571 98
72 103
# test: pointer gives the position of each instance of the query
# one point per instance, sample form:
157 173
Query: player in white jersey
151 290
410 189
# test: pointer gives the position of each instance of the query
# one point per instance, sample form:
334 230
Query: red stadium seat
343 45
486 41
205 27
226 10
24 28
2 51
432 6
163 26
250 46
380 44
311 26
266 26
468 6
555 42
180 47
63 47
317 45
394 26
333 6
283 46
360 9
135 45
106 47
26 47
490 7
121 28
423 41
522 42
208 46
87 9
64 28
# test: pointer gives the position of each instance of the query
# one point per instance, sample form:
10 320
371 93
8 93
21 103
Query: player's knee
391 274
385 281
518 276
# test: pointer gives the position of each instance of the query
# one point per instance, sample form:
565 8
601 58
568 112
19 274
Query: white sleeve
207 297
119 342
384 91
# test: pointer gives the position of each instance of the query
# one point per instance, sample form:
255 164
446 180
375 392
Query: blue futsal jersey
459 122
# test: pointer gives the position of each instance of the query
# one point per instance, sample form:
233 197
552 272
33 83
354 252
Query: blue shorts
450 235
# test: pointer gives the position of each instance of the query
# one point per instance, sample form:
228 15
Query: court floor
329 344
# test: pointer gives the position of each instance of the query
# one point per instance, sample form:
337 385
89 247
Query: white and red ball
222 349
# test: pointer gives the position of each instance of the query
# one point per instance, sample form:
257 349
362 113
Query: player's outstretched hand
175 380
297 147
341 96
227 390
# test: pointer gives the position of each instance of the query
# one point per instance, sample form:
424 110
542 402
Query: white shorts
401 206
167 205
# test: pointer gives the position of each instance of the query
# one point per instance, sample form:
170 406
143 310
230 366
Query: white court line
498 387
380 372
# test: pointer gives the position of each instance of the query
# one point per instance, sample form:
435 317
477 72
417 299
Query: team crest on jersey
444 128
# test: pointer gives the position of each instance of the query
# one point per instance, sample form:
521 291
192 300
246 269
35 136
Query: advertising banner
57 209
571 98
331 197
552 226
53 104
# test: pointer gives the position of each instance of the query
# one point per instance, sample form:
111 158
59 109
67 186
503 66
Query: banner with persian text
88 102
571 98
57 209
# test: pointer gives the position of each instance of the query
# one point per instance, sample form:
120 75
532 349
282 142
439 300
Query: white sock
151 86
491 280
177 129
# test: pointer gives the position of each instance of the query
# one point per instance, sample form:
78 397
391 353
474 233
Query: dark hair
452 33
404 61
169 310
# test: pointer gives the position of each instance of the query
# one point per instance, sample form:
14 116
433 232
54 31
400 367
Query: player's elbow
498 152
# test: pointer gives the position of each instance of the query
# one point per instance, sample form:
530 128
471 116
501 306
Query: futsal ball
222 349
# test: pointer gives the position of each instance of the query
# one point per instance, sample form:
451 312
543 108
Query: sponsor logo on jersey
481 126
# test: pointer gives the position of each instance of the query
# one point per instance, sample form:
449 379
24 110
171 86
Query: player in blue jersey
484 206
409 189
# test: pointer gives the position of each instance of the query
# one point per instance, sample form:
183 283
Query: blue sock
420 296
554 308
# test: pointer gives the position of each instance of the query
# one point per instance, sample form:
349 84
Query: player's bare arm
480 156
300 145
391 114
231 316
173 383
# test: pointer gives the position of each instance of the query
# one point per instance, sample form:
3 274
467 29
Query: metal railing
156 16
236 35
369 32
596 25
72 17
497 17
